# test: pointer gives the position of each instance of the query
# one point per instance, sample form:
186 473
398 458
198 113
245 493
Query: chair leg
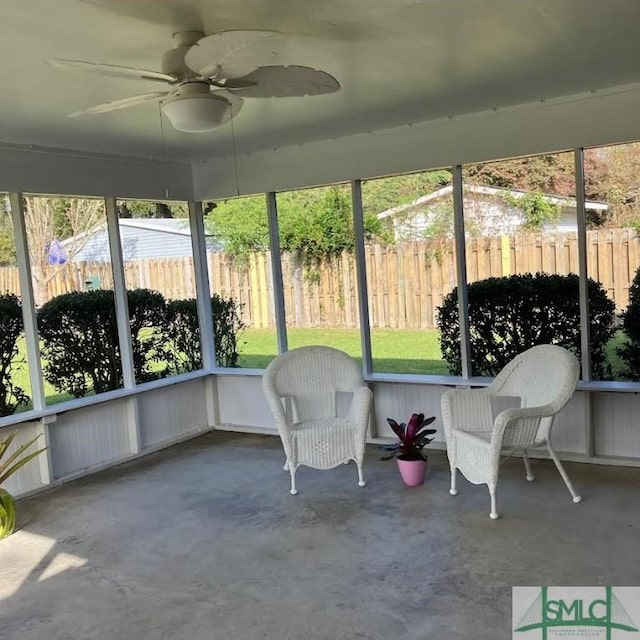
563 473
527 466
453 491
292 472
494 511
361 482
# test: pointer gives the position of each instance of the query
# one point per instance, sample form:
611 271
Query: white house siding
485 215
137 244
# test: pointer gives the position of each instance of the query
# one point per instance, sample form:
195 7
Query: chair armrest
466 410
518 426
359 408
275 402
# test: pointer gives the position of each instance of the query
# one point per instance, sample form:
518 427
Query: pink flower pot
412 471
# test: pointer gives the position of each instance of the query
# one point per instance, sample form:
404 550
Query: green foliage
11 395
511 314
147 313
381 194
550 173
630 351
184 332
81 352
7 244
315 225
8 467
151 209
227 324
537 209
80 340
7 514
241 225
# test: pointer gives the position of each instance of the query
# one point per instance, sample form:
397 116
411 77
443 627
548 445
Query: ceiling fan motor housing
194 109
173 59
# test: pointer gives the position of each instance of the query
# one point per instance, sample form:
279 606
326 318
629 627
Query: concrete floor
203 541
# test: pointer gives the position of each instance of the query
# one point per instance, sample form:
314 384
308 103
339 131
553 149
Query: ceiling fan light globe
196 114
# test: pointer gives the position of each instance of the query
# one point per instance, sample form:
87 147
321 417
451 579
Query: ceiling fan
208 77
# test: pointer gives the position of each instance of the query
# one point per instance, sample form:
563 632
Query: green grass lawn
394 350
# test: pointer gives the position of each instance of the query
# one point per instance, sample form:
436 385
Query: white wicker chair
305 388
514 413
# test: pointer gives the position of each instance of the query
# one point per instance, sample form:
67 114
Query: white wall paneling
241 403
88 437
172 412
96 436
616 424
399 401
28 478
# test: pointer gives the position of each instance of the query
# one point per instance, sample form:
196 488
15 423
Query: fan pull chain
164 152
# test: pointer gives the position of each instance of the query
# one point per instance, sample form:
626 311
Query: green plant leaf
15 462
7 514
4 444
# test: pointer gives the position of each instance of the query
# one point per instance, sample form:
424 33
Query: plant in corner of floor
7 468
413 438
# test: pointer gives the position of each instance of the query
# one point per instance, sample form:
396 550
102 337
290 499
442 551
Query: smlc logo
574 612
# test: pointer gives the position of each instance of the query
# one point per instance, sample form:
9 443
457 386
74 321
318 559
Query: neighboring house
488 211
141 238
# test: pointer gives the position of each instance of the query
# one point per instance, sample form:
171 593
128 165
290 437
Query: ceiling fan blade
284 82
232 54
112 70
125 103
233 84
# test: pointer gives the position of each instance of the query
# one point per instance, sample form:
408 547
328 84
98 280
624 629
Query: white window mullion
461 272
361 276
276 273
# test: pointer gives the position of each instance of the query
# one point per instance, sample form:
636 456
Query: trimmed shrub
184 332
147 319
80 340
511 314
630 352
11 327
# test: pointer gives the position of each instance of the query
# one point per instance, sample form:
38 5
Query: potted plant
7 468
408 451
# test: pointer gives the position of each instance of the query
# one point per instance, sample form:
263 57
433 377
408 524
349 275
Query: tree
384 193
151 209
7 244
614 173
53 218
551 173
315 225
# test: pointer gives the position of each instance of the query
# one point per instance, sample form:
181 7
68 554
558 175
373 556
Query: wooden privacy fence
407 282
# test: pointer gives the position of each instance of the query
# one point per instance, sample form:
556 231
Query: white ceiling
398 61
